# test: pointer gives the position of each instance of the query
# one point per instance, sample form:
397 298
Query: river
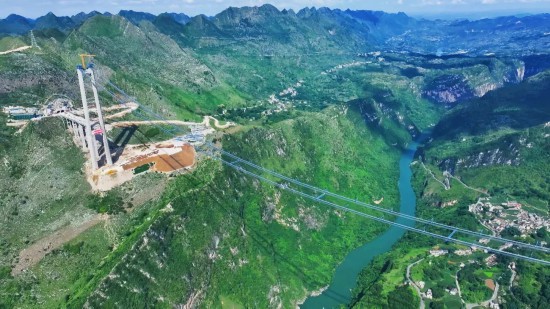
345 277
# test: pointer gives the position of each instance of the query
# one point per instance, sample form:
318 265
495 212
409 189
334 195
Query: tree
437 305
402 297
510 232
438 292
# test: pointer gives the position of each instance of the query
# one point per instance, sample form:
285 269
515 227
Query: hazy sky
35 8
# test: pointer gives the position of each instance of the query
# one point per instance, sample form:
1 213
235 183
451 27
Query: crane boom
83 59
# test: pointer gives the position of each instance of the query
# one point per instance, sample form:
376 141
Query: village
509 214
497 217
435 279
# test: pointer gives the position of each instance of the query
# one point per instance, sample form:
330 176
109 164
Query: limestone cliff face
483 89
474 82
520 72
497 156
449 89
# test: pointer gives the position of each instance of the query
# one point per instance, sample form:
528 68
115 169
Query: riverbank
345 276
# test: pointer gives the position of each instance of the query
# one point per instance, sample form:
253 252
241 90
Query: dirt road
205 122
22 48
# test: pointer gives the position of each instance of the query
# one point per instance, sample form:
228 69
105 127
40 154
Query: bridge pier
72 129
80 132
69 126
86 131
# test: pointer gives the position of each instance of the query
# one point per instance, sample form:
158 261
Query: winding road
422 304
481 304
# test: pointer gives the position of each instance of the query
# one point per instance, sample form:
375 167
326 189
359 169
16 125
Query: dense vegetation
254 239
503 147
513 120
216 199
41 192
315 99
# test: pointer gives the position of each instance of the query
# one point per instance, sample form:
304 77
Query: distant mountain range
530 34
451 61
330 97
16 25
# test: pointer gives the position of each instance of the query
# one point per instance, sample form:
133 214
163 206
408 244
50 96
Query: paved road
481 304
485 303
422 304
512 279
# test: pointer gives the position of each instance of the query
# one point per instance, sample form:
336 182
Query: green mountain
82 17
50 21
494 148
517 107
501 137
326 96
15 24
136 17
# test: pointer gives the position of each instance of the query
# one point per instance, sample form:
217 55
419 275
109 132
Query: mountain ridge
329 97
386 30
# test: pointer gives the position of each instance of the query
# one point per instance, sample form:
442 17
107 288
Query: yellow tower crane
83 59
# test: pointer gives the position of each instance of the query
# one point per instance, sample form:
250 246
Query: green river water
345 278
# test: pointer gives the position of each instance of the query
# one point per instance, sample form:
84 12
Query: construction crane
83 59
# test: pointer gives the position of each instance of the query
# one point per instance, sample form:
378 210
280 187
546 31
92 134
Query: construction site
112 160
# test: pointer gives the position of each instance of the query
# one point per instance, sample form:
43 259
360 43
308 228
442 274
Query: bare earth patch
377 202
185 157
490 284
33 254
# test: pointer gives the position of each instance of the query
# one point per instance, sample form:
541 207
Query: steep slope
382 25
29 78
319 99
495 148
150 64
241 237
10 43
182 84
286 47
168 25
258 246
81 17
178 17
32 170
277 48
502 137
46 202
517 107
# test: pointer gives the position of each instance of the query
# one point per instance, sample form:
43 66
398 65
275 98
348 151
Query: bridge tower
86 70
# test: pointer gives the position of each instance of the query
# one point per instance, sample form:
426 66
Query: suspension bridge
430 228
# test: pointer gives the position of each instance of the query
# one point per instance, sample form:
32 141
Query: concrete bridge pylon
85 130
